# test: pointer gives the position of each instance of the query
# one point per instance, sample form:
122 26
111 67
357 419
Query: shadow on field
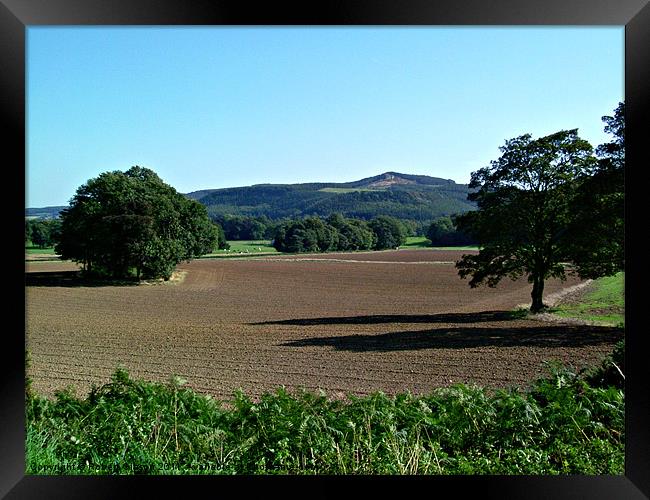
475 317
70 279
464 338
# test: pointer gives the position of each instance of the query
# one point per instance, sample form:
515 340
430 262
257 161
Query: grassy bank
566 423
603 302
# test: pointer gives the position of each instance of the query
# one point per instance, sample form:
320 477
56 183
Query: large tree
132 222
597 231
525 201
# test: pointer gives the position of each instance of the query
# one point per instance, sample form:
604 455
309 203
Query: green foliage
546 202
611 372
566 423
389 232
443 232
596 246
308 235
313 234
525 209
420 200
338 233
125 221
353 234
238 227
42 233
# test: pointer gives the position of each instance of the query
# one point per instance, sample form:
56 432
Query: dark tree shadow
474 317
464 338
72 279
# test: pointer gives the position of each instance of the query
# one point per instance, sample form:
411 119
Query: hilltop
416 197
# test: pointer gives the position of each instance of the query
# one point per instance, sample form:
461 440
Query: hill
43 213
416 197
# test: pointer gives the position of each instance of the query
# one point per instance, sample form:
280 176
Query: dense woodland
409 197
337 233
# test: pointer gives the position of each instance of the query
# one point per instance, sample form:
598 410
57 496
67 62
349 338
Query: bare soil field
391 321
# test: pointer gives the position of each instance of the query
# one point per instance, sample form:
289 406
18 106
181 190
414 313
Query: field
245 247
391 321
31 250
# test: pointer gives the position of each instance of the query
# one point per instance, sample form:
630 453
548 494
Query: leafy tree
308 235
39 234
525 200
42 233
326 235
129 221
389 232
354 234
222 242
598 226
237 227
443 232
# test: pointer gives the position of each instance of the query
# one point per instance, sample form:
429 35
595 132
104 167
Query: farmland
391 321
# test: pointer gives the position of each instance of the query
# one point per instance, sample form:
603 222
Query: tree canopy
121 223
42 233
597 230
443 232
389 232
526 201
313 234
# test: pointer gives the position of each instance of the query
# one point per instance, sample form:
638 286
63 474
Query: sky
215 107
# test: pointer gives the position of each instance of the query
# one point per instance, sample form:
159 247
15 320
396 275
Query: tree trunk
536 294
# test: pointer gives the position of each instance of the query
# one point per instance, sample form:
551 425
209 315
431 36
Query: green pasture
244 248
415 242
29 250
604 302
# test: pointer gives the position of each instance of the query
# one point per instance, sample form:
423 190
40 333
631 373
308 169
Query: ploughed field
391 321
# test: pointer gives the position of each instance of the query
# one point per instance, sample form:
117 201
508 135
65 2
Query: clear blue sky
228 106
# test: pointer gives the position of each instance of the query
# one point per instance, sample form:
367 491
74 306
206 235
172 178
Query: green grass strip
604 302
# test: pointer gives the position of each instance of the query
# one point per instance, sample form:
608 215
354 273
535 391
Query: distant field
417 242
37 250
244 248
414 242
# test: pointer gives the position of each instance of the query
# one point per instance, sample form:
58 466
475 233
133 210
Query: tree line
339 233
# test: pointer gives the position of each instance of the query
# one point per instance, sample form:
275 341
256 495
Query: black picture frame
17 15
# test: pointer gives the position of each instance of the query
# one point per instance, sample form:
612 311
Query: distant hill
43 213
415 197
